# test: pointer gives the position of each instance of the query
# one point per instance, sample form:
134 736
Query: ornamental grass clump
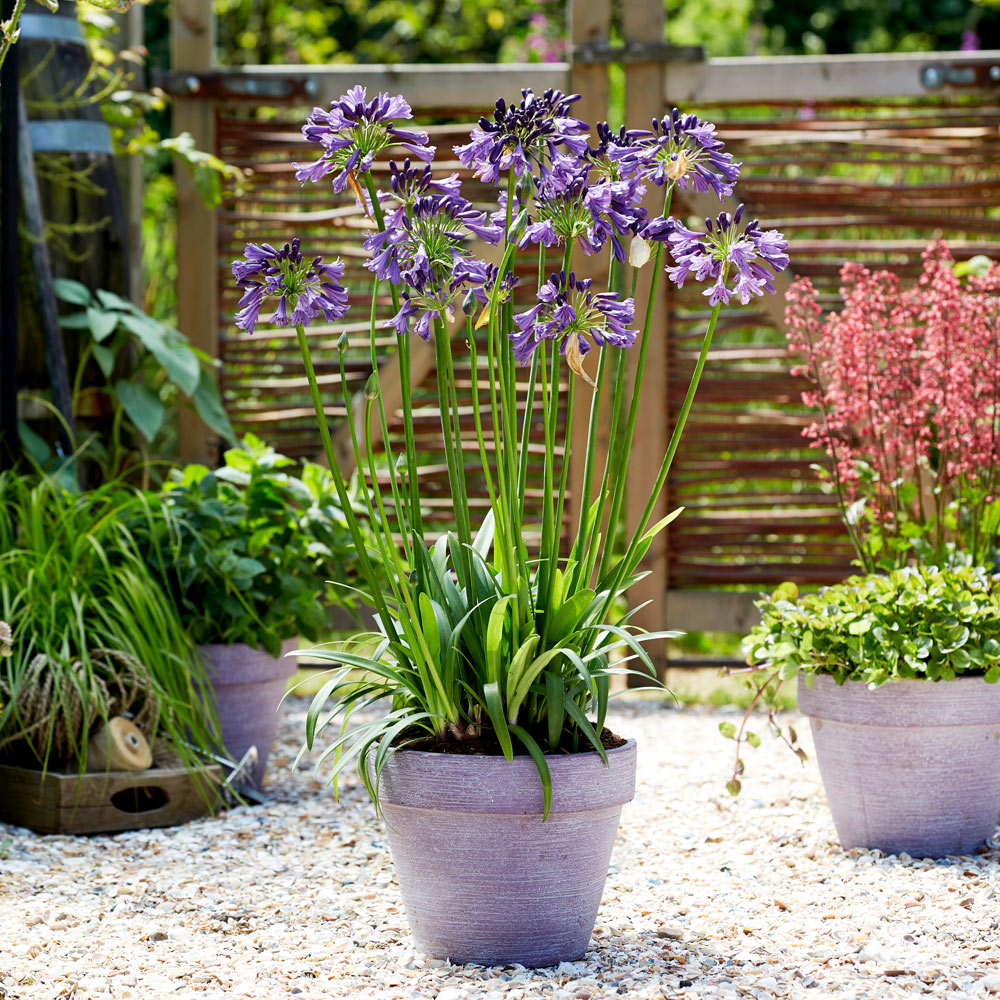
479 635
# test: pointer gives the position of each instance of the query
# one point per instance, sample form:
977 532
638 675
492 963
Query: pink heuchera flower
907 378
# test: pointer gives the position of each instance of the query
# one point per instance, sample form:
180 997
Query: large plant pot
247 686
913 766
483 878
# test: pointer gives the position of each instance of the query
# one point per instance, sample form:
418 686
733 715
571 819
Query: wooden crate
106 802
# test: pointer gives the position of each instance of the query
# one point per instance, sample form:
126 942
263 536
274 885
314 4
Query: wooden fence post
589 23
644 22
192 46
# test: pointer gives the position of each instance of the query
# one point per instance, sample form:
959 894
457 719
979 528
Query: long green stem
668 458
374 584
617 475
401 505
403 354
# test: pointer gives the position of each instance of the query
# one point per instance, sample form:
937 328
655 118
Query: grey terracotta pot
913 766
483 879
247 686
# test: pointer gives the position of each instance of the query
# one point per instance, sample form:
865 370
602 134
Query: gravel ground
707 897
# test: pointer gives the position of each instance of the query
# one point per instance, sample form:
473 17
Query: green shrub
914 623
248 550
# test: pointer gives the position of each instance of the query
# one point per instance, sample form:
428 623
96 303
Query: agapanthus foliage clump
491 631
907 382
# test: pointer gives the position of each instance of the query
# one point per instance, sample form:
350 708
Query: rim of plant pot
928 703
254 664
427 779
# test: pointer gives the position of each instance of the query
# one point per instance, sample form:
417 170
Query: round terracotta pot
912 766
247 687
483 878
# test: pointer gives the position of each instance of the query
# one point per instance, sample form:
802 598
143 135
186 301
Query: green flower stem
387 551
403 354
374 584
416 649
668 458
593 420
7 42
621 455
451 433
591 549
550 394
563 478
470 334
398 503
529 403
425 662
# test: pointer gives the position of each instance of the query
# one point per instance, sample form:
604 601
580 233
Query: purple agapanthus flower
569 207
426 251
682 150
353 132
741 264
570 315
607 154
305 289
519 136
409 183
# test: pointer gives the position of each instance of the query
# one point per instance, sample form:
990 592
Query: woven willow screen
868 181
873 182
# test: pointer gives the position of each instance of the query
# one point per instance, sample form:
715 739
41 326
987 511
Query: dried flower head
305 289
6 639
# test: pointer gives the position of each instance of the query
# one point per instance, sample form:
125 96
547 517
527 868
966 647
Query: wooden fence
851 156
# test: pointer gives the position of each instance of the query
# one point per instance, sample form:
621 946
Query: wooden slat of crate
72 803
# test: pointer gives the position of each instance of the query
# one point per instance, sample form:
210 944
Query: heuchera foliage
907 382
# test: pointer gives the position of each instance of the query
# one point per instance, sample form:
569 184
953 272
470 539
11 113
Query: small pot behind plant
913 766
483 878
247 686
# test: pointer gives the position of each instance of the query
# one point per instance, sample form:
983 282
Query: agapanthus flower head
519 136
304 288
353 132
568 314
739 263
605 164
681 150
425 250
409 183
568 207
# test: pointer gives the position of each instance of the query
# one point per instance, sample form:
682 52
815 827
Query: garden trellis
852 156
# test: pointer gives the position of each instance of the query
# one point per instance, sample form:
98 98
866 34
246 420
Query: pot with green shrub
897 668
254 556
897 674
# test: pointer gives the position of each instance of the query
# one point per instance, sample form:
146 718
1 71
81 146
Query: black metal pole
9 201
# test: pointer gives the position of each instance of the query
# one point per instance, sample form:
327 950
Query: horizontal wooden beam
458 86
798 78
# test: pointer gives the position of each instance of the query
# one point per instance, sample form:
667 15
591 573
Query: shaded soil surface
487 745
